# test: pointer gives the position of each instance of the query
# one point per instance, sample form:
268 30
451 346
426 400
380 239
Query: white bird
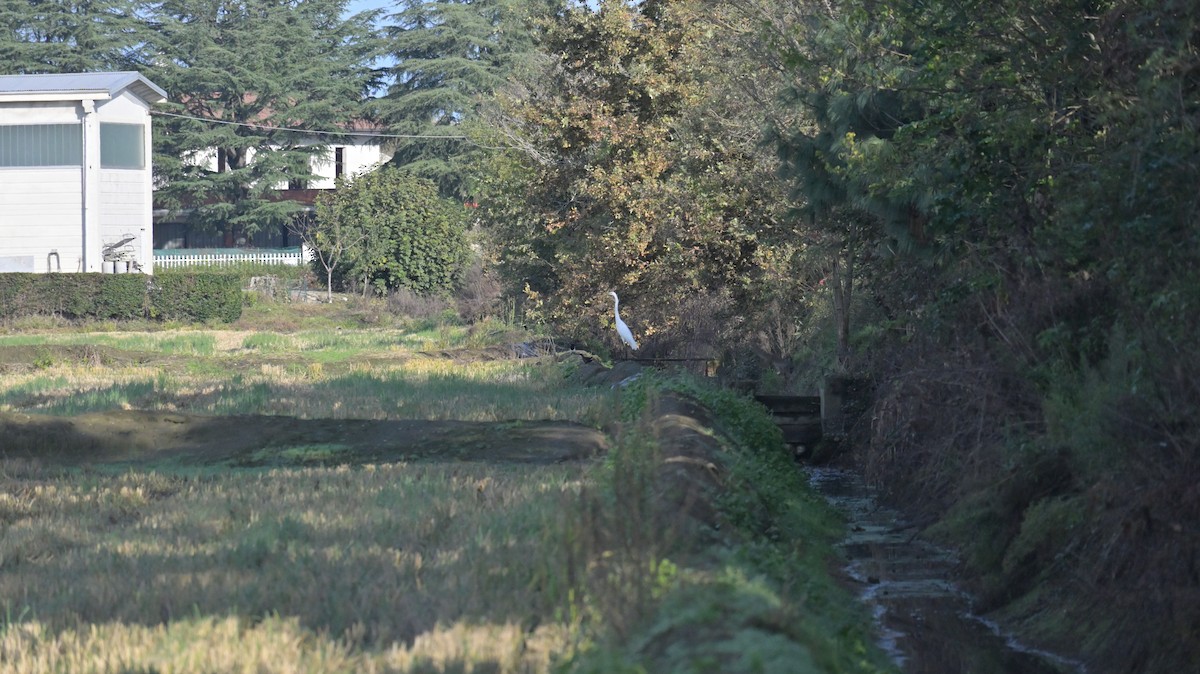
622 329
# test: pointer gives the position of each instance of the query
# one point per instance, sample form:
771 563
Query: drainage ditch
926 622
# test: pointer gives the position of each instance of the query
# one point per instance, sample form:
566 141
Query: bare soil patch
122 436
15 359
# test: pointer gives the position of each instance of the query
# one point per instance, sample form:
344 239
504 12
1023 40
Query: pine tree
450 55
37 36
237 72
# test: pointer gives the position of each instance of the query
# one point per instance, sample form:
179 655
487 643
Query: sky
356 6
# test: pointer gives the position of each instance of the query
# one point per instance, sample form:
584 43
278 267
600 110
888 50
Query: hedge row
199 296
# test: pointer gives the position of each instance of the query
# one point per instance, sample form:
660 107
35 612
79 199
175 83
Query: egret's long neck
616 306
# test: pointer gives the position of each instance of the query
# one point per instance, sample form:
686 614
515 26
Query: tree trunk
843 287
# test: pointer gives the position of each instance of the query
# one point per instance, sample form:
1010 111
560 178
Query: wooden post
835 393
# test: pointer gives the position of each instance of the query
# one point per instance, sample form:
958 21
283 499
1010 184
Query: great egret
622 329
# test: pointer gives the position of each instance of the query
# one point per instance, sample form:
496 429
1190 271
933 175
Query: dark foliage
1032 167
196 296
200 296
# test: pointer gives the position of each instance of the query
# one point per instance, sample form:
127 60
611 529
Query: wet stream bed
926 623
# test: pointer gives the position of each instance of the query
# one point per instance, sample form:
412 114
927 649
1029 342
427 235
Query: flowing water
925 621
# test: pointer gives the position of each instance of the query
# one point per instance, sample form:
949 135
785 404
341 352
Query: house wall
358 157
41 212
126 195
42 208
123 204
57 112
124 107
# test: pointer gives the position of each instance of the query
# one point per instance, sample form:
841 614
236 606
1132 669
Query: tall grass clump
31 388
190 344
268 342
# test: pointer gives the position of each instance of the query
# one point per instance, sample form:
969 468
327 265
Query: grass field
679 550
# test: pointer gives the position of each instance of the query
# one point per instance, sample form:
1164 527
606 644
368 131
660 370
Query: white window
41 145
121 146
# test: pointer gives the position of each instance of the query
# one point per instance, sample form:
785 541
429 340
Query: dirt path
139 436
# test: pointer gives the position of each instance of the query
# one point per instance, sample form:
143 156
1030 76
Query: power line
361 134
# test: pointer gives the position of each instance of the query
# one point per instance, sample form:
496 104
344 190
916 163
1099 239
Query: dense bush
97 296
1017 197
387 230
199 296
244 271
194 296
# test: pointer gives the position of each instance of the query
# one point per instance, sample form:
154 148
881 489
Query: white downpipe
146 257
91 187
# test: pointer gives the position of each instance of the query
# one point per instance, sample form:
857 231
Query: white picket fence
220 258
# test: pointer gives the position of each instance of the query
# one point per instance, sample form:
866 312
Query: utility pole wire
311 132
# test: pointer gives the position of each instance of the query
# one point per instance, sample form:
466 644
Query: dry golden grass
377 568
412 387
398 567
270 646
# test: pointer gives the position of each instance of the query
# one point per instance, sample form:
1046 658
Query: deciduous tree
403 234
628 179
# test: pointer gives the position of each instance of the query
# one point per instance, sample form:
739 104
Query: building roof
78 86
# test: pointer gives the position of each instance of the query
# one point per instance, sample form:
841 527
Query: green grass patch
39 385
186 343
299 455
759 597
268 342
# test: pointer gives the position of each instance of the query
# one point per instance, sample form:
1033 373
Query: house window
339 162
41 145
121 146
222 166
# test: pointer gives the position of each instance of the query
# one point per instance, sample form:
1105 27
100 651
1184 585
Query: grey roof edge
83 83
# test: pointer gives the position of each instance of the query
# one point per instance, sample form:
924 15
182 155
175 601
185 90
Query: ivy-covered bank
731 567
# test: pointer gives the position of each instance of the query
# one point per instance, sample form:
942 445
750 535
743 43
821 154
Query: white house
75 172
359 149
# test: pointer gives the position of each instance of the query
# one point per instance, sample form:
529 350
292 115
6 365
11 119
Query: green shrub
194 296
392 230
75 296
199 296
120 296
244 271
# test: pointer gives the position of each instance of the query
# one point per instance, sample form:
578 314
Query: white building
361 150
75 171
